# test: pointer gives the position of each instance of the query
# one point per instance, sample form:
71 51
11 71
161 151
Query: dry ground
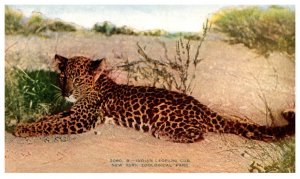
229 80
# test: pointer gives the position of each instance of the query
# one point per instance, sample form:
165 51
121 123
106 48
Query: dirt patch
229 80
116 145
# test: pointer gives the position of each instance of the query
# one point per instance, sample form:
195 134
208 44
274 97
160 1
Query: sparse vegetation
286 161
266 30
13 21
126 30
109 29
154 32
59 26
186 35
37 24
176 73
282 162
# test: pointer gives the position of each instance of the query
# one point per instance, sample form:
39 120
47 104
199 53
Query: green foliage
155 32
36 24
106 27
284 162
287 161
59 26
30 94
126 30
266 30
185 35
109 29
13 21
16 23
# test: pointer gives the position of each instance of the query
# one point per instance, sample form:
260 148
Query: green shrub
109 29
154 32
59 26
286 161
283 162
266 30
126 30
13 21
36 24
30 94
106 27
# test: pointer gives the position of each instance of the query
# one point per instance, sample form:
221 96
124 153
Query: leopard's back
159 111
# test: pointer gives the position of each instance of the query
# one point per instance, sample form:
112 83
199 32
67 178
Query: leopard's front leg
80 118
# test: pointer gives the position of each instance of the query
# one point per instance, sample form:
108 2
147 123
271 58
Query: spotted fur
165 114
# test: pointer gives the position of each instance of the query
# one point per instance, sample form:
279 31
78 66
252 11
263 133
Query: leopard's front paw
21 131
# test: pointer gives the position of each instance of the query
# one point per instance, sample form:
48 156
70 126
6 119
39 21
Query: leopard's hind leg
178 132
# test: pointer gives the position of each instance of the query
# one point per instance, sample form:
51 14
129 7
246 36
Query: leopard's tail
260 132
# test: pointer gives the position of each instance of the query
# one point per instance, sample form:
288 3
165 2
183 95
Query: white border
135 2
153 2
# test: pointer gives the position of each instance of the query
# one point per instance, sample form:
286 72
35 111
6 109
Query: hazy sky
142 17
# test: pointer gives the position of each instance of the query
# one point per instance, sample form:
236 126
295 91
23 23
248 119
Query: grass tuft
266 30
13 21
31 94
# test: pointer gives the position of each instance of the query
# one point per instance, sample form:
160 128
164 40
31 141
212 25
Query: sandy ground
229 80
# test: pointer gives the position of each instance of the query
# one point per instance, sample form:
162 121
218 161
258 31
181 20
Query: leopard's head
78 75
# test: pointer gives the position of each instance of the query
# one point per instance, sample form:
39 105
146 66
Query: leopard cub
165 114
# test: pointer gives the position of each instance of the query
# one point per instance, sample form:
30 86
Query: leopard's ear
97 67
61 61
97 64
